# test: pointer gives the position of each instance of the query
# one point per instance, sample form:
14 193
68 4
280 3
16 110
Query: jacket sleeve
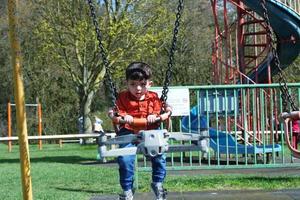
121 104
157 105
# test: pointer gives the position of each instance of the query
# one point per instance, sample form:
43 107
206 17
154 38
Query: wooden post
9 125
39 108
60 141
20 100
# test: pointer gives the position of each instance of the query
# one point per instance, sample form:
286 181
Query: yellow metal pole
20 100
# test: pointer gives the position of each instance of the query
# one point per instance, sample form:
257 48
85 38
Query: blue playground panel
212 101
218 138
235 148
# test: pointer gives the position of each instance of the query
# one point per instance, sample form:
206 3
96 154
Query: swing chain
169 72
108 77
285 94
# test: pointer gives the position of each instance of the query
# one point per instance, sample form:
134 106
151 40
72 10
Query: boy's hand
168 108
151 119
128 119
110 112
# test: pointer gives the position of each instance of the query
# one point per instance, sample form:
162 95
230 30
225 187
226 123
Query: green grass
71 173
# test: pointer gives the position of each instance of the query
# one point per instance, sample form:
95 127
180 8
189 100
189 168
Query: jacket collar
132 97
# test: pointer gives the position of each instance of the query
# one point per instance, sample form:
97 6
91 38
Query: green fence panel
243 124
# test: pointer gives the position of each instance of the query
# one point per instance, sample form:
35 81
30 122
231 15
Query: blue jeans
126 166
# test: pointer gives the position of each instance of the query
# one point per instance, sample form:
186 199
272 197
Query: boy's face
138 88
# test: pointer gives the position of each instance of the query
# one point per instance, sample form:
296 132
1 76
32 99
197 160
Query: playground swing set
156 142
152 142
9 122
69 138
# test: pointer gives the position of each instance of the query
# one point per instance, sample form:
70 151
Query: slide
220 141
285 23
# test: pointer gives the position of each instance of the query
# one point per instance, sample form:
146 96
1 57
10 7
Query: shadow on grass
64 159
80 190
52 159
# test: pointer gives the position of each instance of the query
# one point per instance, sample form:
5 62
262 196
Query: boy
138 102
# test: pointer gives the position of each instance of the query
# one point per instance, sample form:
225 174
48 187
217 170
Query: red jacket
127 104
296 126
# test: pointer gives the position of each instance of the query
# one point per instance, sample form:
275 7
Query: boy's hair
138 71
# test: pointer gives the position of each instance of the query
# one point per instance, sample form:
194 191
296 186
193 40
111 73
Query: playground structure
245 52
241 50
39 130
9 122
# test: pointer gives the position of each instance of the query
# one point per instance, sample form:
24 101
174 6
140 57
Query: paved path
293 194
218 195
266 172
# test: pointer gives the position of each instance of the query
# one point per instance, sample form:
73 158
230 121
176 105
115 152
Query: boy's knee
125 161
159 160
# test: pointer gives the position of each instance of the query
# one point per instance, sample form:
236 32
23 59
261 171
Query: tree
6 78
66 40
194 46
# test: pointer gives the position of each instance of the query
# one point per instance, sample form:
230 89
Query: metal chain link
107 78
169 72
285 94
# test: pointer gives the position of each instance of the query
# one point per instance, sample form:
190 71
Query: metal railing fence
243 123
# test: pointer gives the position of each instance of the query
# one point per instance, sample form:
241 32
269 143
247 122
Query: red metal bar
288 117
227 49
240 39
